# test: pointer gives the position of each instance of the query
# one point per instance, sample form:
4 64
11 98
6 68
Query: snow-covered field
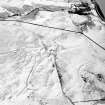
51 54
